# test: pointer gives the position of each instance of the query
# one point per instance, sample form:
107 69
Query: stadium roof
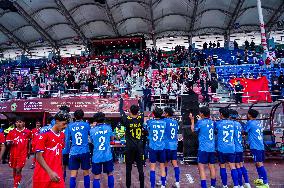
30 23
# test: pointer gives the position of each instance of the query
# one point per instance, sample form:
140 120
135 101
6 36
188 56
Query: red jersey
51 145
2 138
35 132
20 140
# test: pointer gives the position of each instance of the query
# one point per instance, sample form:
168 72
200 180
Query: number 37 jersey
101 136
171 140
156 129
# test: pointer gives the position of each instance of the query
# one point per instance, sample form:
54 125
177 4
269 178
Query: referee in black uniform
134 143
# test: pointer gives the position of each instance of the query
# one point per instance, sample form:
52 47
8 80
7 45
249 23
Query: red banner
255 90
89 104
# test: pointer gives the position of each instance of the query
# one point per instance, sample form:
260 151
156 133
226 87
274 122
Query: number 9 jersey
171 140
101 135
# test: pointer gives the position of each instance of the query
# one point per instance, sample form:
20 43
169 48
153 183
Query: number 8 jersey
206 136
101 135
156 129
171 134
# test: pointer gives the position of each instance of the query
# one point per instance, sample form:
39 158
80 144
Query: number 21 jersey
101 135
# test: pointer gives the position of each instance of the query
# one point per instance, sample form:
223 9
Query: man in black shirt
238 89
133 136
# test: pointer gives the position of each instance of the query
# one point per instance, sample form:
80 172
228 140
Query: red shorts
18 162
49 184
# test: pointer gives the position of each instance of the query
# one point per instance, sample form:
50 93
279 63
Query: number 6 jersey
101 135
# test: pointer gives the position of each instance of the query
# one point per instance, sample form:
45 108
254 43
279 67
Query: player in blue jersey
206 150
239 160
255 138
226 146
79 155
171 142
156 128
101 135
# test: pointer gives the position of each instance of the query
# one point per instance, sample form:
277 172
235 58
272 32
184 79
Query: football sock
152 178
177 172
245 174
72 182
87 181
110 181
223 175
166 170
234 174
17 179
213 182
258 172
240 176
163 180
203 184
96 183
263 174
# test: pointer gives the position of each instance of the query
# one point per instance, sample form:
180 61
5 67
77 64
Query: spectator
252 45
236 46
246 45
218 44
214 85
238 89
276 91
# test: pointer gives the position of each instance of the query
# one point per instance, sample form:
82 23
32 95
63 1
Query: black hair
20 118
99 117
169 111
253 113
49 119
234 114
79 114
205 111
64 108
62 115
225 112
158 112
134 109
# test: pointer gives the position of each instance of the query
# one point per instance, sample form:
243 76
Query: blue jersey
156 129
46 128
206 135
101 136
238 137
66 149
171 140
78 132
255 134
225 136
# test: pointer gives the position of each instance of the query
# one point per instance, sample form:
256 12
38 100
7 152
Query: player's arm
53 176
2 150
191 117
121 111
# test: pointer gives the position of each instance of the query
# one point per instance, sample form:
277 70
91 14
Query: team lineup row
69 142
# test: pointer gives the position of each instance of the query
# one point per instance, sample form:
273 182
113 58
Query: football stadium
141 93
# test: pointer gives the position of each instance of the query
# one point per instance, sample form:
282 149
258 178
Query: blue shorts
206 157
65 159
258 155
239 157
171 155
157 155
83 160
106 167
226 157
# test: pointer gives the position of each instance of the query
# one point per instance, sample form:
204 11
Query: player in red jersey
48 171
35 133
19 140
2 145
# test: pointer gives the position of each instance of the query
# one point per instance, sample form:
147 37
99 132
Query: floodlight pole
262 29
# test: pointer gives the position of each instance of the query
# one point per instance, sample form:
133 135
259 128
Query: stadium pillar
262 28
226 40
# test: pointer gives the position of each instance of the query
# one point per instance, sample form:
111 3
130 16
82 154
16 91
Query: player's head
20 122
49 120
252 114
134 109
158 112
204 112
224 113
79 114
234 114
38 123
169 112
64 108
62 118
99 117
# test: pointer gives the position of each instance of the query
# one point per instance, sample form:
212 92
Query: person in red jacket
19 140
35 133
48 171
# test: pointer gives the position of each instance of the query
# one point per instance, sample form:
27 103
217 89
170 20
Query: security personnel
238 89
134 144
